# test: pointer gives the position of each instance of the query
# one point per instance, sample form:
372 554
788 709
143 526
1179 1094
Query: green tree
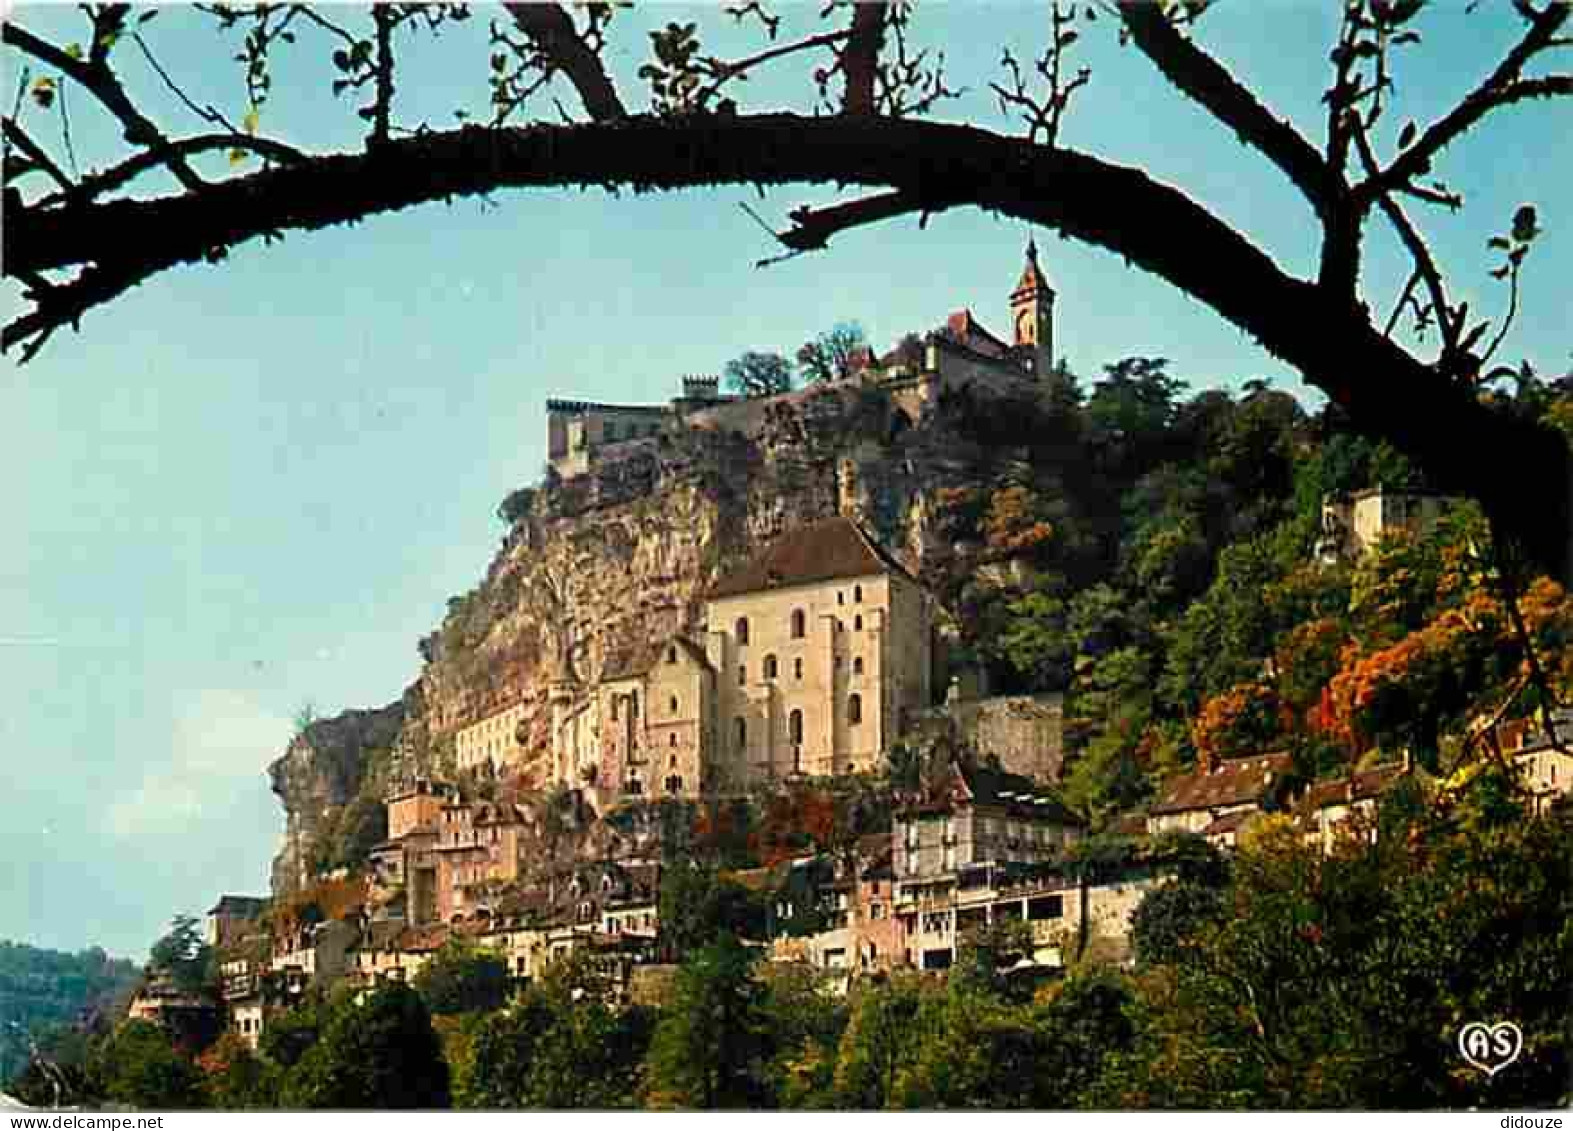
830 356
182 953
758 374
381 1053
878 1041
138 1066
462 979
709 1048
698 905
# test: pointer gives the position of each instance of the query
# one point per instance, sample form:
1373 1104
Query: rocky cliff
624 555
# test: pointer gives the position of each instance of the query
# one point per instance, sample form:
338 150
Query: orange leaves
1239 722
1013 524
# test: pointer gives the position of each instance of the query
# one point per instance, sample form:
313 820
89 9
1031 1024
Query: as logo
1493 1048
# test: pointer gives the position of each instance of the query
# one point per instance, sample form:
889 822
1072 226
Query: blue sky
248 487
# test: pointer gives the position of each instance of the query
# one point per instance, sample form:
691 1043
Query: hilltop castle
581 435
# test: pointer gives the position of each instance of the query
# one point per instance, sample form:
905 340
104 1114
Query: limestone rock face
625 554
320 771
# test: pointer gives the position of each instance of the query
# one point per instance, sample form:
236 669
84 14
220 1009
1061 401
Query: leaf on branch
1502 243
74 50
250 122
1524 224
44 92
1407 135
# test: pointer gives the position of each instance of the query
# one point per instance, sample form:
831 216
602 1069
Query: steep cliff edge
624 556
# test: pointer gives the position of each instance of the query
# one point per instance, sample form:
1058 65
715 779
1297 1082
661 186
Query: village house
1218 798
233 917
957 842
248 986
1345 806
1354 523
1545 767
491 741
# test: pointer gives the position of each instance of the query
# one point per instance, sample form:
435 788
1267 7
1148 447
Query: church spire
1032 315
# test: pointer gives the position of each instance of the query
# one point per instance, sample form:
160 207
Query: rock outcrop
624 555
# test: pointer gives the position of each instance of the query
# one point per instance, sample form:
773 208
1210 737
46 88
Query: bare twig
35 153
1502 87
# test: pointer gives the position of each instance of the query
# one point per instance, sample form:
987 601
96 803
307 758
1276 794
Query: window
795 726
857 623
671 704
671 654
841 598
740 728
857 594
770 666
740 630
633 705
857 665
799 624
609 431
854 709
742 675
671 739
797 668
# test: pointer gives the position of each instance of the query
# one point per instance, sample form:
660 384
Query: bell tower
1032 317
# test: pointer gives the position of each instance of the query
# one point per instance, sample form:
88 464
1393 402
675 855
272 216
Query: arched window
854 709
857 594
857 665
672 704
797 668
671 654
857 623
671 739
770 666
795 726
799 624
740 730
740 630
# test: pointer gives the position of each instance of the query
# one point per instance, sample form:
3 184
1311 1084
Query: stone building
1216 799
820 645
1353 524
645 729
582 436
815 653
493 739
233 917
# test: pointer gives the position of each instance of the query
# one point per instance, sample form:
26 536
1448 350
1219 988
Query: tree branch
1500 88
1201 77
101 82
1151 225
552 31
860 57
116 176
35 153
1425 265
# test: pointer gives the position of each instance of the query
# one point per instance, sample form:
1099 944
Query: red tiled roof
1237 781
829 550
1363 785
967 330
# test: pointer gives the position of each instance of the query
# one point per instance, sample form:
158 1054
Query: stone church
812 656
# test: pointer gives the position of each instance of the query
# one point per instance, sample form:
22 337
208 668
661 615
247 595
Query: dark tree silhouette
74 242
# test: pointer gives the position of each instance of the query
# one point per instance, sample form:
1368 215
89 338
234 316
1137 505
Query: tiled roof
1342 791
247 906
637 659
967 330
822 551
1236 781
